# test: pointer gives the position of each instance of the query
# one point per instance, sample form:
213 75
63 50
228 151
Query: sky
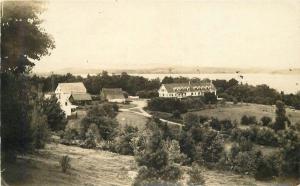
118 34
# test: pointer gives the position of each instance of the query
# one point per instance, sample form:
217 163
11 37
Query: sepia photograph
150 92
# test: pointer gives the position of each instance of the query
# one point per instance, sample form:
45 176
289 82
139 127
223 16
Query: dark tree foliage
55 116
155 165
16 136
171 105
199 142
39 126
262 94
292 100
265 120
170 79
22 38
147 94
222 125
104 118
223 85
290 141
122 143
281 120
210 98
267 168
248 120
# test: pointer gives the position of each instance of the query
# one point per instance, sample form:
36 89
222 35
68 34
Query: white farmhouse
181 90
65 91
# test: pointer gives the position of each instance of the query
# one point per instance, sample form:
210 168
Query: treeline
133 85
230 90
261 94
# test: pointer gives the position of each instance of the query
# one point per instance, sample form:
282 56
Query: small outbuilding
115 95
80 98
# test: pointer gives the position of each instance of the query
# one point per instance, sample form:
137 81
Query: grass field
132 119
88 168
235 112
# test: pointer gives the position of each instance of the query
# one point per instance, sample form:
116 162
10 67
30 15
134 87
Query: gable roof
112 93
72 87
81 97
183 86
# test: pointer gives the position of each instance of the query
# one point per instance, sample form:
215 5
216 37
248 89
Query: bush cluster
248 120
171 105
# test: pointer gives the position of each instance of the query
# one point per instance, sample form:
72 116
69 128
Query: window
66 103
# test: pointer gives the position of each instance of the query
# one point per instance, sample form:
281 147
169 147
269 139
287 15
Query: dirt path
139 109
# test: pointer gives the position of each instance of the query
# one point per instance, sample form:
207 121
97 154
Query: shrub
103 116
172 104
70 134
166 105
265 120
176 114
191 120
267 167
55 116
154 160
196 177
245 145
248 120
123 143
210 148
173 149
39 127
246 162
281 119
266 136
210 98
65 163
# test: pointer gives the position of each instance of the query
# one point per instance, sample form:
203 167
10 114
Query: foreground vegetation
161 152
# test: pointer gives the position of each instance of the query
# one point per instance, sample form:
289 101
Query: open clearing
89 168
235 112
132 119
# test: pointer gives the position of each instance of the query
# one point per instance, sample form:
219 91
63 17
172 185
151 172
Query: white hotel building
181 90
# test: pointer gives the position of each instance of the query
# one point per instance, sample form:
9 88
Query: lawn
132 119
235 112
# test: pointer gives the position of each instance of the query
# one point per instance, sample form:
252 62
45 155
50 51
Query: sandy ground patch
89 168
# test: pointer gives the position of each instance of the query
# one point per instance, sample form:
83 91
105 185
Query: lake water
280 82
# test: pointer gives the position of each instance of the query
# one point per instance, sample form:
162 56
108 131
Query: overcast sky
151 33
